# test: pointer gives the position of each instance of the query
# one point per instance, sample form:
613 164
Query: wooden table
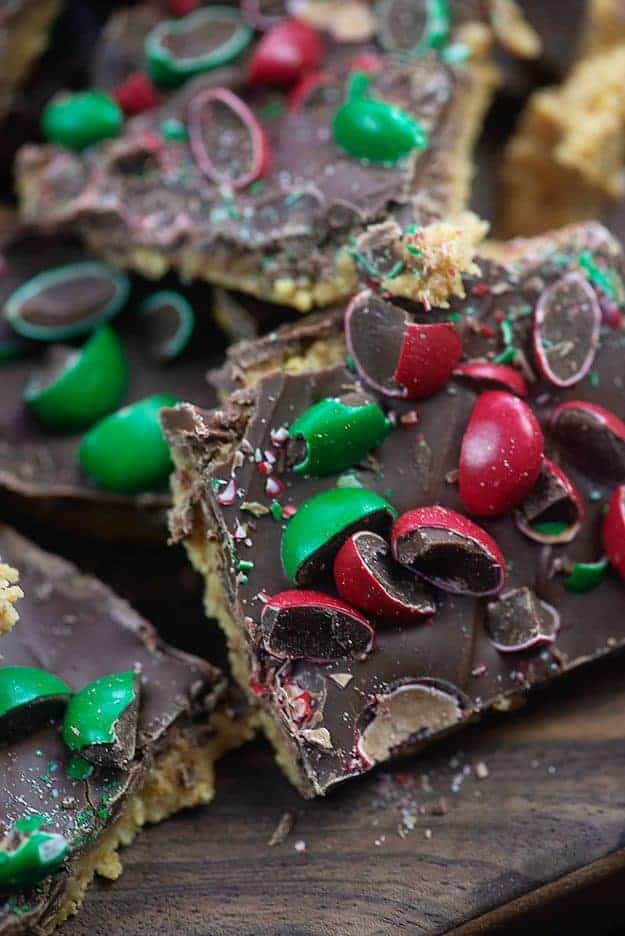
536 843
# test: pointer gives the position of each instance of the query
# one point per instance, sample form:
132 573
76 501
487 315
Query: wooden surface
551 805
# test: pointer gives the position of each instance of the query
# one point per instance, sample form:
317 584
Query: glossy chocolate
415 465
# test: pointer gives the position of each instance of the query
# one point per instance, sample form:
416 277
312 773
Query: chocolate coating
414 466
74 626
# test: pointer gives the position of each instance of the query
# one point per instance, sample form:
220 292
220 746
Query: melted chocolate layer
414 466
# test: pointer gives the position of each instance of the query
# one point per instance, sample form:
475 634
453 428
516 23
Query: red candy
501 375
613 532
448 550
314 626
284 54
428 356
501 454
554 495
136 94
592 437
367 577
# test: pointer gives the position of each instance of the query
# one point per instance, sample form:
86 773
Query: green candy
370 129
29 695
322 524
29 854
126 452
92 715
76 388
67 301
337 435
81 119
169 66
586 576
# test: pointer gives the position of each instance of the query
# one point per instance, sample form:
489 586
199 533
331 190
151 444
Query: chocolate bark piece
24 33
143 202
75 627
317 714
40 476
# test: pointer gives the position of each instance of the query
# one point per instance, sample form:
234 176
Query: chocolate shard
405 716
519 621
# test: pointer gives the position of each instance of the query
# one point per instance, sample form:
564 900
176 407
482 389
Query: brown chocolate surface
73 626
413 466
40 466
146 193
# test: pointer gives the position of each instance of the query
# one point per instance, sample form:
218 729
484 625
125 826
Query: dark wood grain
551 805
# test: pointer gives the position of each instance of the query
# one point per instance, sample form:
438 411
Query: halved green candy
101 720
322 524
126 452
67 301
78 120
28 854
176 50
29 697
170 321
75 388
335 434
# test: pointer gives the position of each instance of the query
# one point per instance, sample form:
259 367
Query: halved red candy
227 141
613 532
553 511
566 330
395 356
501 454
367 576
448 550
592 437
500 376
311 89
285 53
518 621
313 626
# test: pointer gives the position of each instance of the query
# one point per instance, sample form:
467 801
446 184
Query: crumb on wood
285 826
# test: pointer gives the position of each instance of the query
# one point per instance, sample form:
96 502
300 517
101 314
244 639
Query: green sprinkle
256 187
415 251
78 768
507 356
586 576
455 53
593 379
506 332
596 275
103 813
350 364
272 110
243 579
595 495
173 129
348 480
244 565
276 511
394 272
454 317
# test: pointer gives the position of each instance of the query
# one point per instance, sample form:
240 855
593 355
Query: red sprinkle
136 94
274 487
481 289
289 511
228 495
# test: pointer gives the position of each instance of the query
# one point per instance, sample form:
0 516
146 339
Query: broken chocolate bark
164 195
40 474
505 540
111 729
